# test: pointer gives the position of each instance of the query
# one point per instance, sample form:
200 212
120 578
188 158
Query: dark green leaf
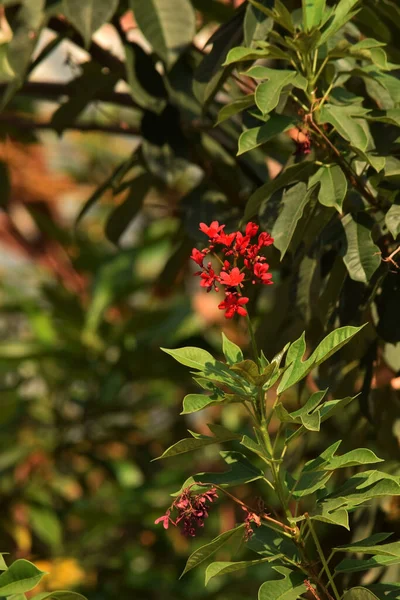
201 554
294 200
216 569
362 256
333 186
199 441
235 107
124 213
232 352
252 138
288 588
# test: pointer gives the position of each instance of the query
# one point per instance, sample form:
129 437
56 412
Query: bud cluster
192 509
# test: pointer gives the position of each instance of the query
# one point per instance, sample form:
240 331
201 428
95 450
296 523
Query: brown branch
28 124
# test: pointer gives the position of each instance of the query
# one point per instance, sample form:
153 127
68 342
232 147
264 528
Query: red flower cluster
241 261
192 510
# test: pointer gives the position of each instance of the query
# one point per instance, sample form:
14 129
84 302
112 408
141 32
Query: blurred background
87 398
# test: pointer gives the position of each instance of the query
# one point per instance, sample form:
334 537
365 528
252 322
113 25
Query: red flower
251 229
264 239
232 279
233 304
209 278
164 520
242 241
197 256
211 230
225 238
260 271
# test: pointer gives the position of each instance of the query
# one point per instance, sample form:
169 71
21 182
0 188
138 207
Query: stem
253 340
322 557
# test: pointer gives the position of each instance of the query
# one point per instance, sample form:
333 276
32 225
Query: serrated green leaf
235 107
201 554
288 588
330 344
297 172
333 186
89 16
362 256
233 354
168 27
216 569
294 201
20 577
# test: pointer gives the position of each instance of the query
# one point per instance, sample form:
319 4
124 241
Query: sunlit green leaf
89 16
20 577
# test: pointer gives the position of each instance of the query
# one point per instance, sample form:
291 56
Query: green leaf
392 219
342 14
332 512
6 72
232 352
288 588
392 549
267 94
46 525
222 568
269 542
252 138
191 357
329 462
333 186
169 27
241 471
309 482
240 53
294 201
362 256
19 578
331 407
89 16
62 595
297 172
3 564
343 120
27 24
253 446
364 486
352 565
201 554
256 25
359 593
199 441
195 402
233 108
124 213
313 11
330 344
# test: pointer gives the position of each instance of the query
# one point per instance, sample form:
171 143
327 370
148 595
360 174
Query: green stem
323 559
253 340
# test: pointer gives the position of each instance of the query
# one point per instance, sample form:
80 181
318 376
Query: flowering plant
285 537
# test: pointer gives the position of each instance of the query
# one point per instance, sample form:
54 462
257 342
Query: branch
28 124
54 91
